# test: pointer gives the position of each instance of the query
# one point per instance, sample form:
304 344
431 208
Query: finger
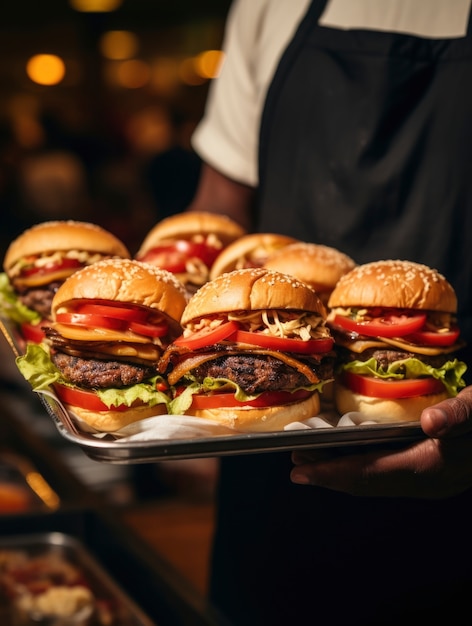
450 417
391 473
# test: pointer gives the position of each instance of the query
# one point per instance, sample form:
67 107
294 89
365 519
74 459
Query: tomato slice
84 399
285 345
380 388
430 338
207 337
174 256
130 313
90 320
52 267
150 330
199 250
265 399
114 318
166 257
33 332
389 325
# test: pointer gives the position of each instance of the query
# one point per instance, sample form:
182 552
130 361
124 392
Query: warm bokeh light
149 130
165 75
95 6
43 490
133 74
188 73
118 45
46 69
28 131
208 64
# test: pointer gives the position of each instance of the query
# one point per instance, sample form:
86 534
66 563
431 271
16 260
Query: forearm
219 194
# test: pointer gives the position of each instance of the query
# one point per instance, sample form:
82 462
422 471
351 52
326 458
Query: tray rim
240 443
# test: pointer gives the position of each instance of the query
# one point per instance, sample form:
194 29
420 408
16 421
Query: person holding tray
348 124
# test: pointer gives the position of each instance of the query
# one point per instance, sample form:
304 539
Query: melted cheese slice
147 352
36 280
360 345
80 333
426 350
112 342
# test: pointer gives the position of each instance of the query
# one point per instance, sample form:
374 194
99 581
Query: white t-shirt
257 33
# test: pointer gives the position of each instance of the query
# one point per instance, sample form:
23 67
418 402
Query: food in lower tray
51 586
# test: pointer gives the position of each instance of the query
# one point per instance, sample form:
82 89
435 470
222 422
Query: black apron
396 183
366 145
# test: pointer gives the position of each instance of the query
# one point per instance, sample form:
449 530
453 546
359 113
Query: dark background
89 148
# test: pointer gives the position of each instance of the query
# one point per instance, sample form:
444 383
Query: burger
111 322
250 250
254 352
188 243
317 265
39 260
394 324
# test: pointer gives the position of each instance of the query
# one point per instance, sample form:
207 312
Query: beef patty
92 373
257 373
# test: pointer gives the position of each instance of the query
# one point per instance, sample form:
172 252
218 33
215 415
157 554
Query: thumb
450 417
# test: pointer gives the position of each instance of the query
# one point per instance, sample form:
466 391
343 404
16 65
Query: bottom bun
111 421
383 409
264 419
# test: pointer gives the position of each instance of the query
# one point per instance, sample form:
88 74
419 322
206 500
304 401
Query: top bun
398 284
318 265
249 251
64 235
187 224
252 289
127 281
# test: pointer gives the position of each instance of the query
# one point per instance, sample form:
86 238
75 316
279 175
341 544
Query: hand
435 467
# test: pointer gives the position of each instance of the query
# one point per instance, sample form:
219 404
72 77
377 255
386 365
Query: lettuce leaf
450 373
38 369
10 305
183 401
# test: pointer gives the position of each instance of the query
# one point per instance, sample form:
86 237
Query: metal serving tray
118 564
55 553
111 449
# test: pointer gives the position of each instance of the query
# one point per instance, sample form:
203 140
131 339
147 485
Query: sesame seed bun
252 289
127 281
251 250
112 421
383 410
395 283
267 419
317 265
66 235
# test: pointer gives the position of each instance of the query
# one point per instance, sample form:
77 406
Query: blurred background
98 102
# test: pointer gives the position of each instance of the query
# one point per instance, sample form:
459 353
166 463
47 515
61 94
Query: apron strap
312 16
